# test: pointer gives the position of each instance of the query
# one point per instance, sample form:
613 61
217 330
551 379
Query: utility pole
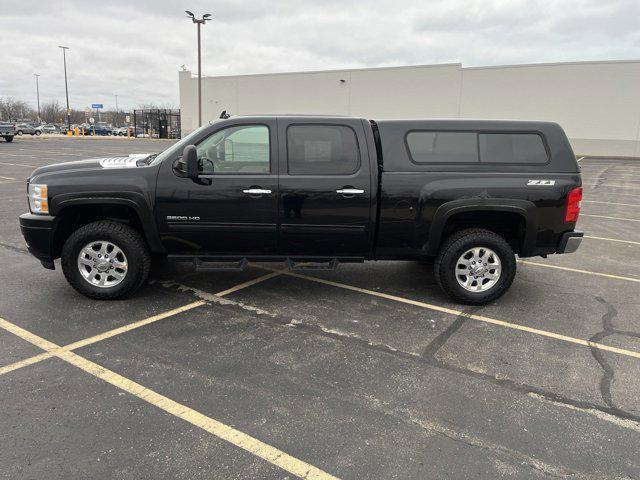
198 22
66 85
37 94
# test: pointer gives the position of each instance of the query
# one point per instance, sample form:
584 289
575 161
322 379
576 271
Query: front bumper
38 230
569 242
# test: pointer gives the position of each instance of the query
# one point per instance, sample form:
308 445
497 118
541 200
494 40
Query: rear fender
444 212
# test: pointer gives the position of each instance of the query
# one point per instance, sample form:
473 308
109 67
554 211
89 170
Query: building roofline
338 70
406 67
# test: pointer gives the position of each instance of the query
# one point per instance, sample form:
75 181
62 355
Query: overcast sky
135 48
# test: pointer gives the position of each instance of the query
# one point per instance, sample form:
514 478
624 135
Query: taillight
573 205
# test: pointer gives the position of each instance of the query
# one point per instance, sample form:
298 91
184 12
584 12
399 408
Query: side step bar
293 266
202 266
206 263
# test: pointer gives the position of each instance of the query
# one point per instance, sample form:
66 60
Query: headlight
38 200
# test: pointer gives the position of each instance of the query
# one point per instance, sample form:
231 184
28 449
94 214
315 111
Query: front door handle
350 191
256 191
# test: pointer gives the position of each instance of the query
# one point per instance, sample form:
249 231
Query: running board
319 265
202 266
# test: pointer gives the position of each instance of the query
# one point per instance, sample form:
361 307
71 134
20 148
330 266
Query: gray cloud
134 48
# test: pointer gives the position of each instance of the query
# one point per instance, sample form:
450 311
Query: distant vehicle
7 131
26 129
48 128
121 131
97 130
470 194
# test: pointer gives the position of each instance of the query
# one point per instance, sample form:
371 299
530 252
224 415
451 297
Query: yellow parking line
481 318
611 203
611 218
132 326
607 275
612 239
240 439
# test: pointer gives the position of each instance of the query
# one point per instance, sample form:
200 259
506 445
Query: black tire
455 246
38 133
127 239
19 132
9 139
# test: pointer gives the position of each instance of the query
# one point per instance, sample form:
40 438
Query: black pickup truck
314 192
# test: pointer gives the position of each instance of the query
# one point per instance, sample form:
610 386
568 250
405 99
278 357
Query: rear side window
512 148
322 149
443 147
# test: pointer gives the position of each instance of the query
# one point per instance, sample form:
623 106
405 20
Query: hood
130 161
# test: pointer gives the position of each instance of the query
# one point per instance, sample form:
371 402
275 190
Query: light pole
66 85
117 113
37 94
199 22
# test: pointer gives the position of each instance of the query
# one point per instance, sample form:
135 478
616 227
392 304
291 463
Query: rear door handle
350 191
256 191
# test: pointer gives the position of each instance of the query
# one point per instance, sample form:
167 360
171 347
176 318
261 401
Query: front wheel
38 133
105 260
19 132
475 266
9 139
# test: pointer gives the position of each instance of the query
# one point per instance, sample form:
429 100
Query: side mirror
190 159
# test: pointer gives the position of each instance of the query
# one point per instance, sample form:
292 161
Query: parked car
122 131
48 128
95 130
469 194
7 131
27 129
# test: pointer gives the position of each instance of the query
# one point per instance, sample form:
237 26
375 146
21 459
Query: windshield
179 146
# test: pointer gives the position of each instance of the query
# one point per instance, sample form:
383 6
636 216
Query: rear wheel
9 139
105 260
19 132
38 133
475 266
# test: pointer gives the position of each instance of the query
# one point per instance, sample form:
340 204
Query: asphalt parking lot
368 372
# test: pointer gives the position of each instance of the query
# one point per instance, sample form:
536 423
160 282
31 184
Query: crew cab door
232 209
325 188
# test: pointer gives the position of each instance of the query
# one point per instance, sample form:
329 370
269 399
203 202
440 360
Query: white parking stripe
610 218
588 272
612 239
612 203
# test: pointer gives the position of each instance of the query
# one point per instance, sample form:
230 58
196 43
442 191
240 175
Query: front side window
443 147
512 148
243 149
322 149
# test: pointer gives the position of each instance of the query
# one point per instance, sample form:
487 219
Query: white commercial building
597 103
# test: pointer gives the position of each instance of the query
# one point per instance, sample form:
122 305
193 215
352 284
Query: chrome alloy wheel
102 264
478 269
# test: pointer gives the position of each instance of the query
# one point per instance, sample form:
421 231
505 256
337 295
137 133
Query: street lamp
37 94
66 85
205 17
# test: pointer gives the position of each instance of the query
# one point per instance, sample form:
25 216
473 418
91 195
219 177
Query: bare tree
12 109
52 112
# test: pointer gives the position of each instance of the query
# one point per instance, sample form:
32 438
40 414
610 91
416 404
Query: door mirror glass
190 159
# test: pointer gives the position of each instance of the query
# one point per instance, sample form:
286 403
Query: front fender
134 200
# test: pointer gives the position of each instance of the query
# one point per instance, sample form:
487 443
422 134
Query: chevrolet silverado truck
7 131
315 192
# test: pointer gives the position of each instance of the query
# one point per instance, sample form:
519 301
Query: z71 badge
541 183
